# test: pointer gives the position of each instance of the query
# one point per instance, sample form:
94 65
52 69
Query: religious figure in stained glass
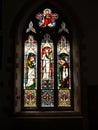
31 69
63 72
47 18
47 58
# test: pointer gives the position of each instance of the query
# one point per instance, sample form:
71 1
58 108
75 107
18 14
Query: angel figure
30 66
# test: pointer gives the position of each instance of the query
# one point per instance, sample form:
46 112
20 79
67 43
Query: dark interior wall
86 13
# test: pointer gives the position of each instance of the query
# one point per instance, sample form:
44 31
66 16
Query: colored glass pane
30 98
64 98
47 98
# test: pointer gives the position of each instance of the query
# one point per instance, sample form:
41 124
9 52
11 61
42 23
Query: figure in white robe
46 64
64 73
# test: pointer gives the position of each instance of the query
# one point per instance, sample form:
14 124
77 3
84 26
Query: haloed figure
31 70
47 63
47 17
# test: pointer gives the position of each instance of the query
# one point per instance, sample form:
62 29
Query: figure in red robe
47 18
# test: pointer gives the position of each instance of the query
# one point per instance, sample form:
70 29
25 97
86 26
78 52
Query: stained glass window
30 72
47 72
63 71
47 66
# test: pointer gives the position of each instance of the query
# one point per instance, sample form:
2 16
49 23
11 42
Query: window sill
48 114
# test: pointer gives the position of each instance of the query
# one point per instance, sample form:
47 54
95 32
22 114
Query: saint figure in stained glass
47 18
63 73
47 58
